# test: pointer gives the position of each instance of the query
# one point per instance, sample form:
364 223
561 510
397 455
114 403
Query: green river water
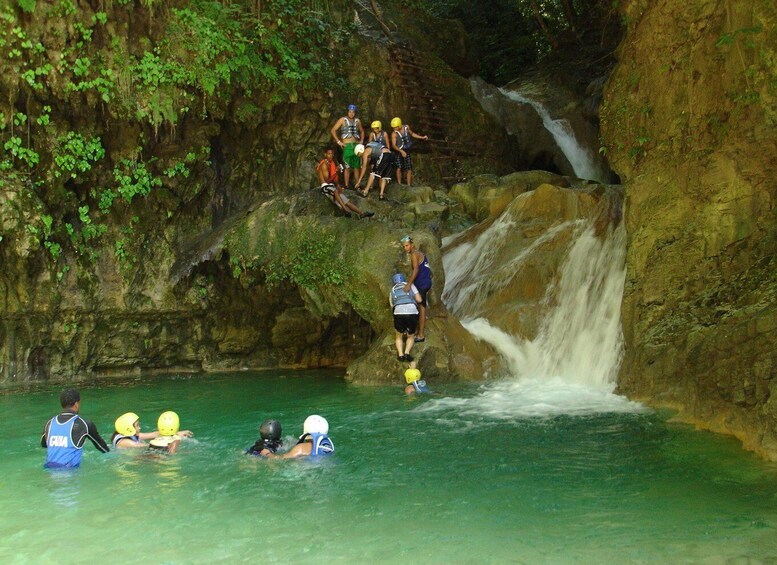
497 474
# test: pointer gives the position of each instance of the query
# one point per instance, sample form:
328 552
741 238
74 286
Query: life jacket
380 138
350 128
60 449
377 151
331 170
399 296
118 437
423 279
420 386
322 445
405 139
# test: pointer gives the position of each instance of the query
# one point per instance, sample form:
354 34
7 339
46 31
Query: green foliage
27 5
74 154
303 253
134 179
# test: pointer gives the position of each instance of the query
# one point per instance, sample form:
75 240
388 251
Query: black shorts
384 168
406 323
423 292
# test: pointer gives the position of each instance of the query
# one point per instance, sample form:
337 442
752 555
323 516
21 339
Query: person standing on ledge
401 140
347 132
422 279
65 434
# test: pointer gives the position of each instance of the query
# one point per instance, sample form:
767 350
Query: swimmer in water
314 440
169 435
129 436
414 382
269 440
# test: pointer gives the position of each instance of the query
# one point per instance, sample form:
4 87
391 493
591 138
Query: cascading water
571 364
580 158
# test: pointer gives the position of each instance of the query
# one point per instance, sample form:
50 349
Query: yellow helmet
168 423
125 424
396 123
376 124
412 375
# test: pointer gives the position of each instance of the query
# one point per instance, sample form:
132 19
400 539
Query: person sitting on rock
327 171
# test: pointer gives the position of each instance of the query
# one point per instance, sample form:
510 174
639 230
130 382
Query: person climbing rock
381 162
327 171
402 137
405 308
65 434
347 133
421 277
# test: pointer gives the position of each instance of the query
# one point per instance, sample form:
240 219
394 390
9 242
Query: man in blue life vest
65 434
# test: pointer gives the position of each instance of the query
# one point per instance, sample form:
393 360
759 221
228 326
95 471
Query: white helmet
358 150
315 425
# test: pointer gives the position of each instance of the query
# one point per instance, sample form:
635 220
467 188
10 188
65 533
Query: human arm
415 262
334 130
95 438
299 450
417 136
365 159
322 172
395 145
44 437
127 443
361 131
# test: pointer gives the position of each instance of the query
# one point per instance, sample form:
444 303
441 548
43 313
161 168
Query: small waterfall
583 162
571 365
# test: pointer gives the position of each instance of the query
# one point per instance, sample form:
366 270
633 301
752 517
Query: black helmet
271 429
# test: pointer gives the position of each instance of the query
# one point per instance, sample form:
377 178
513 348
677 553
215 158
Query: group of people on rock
380 154
65 435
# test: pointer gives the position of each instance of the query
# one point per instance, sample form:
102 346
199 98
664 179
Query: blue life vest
420 386
399 296
61 452
423 280
322 445
350 128
405 141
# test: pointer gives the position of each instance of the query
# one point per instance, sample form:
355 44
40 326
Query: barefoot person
381 163
405 308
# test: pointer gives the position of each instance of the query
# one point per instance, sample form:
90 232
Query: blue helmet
398 278
352 107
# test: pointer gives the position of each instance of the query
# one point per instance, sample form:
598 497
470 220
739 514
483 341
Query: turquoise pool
495 474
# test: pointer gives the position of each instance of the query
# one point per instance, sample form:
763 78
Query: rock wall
689 121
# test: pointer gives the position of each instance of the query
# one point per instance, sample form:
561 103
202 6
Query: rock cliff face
689 123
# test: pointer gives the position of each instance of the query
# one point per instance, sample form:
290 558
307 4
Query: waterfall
571 365
580 158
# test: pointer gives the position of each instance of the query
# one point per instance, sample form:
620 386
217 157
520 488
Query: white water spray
582 160
570 367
